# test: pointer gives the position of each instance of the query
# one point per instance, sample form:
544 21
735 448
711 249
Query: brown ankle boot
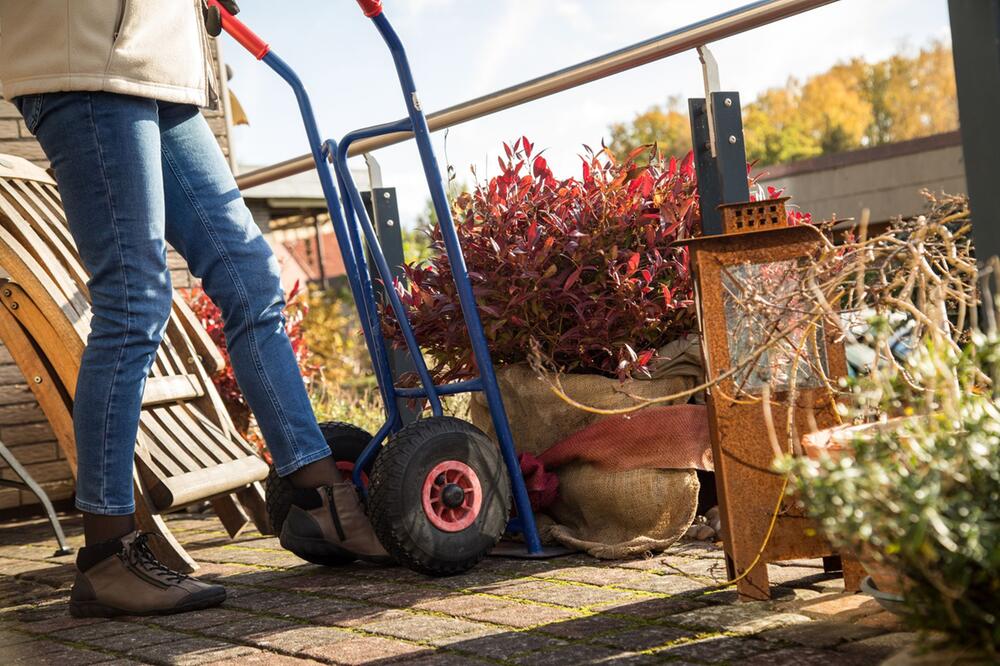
329 524
131 581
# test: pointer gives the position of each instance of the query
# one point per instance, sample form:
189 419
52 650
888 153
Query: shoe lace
141 555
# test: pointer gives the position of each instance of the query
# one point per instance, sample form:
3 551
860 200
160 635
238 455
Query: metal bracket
374 172
710 75
719 150
384 212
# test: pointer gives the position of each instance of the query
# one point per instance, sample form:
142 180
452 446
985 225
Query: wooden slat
33 245
203 483
56 231
253 501
207 455
196 420
171 389
12 166
195 424
28 275
50 195
170 353
203 345
163 450
211 404
229 511
51 231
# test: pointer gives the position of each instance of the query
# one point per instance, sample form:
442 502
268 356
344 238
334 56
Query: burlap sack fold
608 514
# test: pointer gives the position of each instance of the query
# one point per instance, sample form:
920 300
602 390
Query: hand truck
438 490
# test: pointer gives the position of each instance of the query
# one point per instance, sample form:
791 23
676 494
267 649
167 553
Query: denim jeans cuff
301 461
103 510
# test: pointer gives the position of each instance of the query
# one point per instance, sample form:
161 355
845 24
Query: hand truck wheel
346 442
440 496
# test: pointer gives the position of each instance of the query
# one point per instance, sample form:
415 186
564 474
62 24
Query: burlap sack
614 515
607 514
539 418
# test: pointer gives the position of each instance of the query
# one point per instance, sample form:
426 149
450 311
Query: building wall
23 427
887 180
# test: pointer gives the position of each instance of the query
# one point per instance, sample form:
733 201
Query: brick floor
567 610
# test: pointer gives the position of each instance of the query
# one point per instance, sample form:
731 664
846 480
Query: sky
461 49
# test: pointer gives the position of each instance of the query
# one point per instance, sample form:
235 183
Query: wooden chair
187 449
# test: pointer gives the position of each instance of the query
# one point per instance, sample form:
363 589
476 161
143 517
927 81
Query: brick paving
569 610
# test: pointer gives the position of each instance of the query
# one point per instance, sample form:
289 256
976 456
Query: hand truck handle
371 8
239 31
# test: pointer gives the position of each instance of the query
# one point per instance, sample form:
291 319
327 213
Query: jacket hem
105 83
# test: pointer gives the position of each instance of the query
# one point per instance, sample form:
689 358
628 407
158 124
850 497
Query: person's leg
105 151
210 225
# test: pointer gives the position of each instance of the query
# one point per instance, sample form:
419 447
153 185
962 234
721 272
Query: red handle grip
239 31
371 8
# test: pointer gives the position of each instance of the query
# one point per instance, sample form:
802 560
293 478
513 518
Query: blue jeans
135 174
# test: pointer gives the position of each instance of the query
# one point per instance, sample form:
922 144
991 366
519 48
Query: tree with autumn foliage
852 105
666 127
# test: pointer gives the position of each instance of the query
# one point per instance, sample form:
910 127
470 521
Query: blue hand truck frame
353 229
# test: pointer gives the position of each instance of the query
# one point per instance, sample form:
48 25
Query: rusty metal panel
750 216
748 488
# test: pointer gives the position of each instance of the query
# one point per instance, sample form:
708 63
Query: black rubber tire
346 441
395 502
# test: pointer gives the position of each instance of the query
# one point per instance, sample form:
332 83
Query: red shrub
583 267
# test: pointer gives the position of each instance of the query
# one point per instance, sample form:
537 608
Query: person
112 90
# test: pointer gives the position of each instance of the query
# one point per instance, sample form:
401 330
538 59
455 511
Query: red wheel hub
452 496
347 471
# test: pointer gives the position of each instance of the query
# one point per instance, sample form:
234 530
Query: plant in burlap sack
581 271
583 266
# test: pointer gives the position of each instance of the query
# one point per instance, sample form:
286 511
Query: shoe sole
81 609
321 548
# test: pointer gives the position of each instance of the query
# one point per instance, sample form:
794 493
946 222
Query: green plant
360 407
332 332
922 488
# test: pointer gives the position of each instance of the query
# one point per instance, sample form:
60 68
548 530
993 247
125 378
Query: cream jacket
147 48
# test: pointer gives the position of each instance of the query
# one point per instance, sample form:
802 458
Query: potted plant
919 491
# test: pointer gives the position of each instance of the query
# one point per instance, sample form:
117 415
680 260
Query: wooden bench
187 449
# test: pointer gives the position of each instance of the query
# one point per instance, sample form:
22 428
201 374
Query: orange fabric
670 437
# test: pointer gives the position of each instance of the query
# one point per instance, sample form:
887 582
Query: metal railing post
975 31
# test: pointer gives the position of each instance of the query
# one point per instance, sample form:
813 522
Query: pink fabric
543 486
669 437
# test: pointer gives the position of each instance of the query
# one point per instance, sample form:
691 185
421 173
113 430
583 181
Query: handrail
724 25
